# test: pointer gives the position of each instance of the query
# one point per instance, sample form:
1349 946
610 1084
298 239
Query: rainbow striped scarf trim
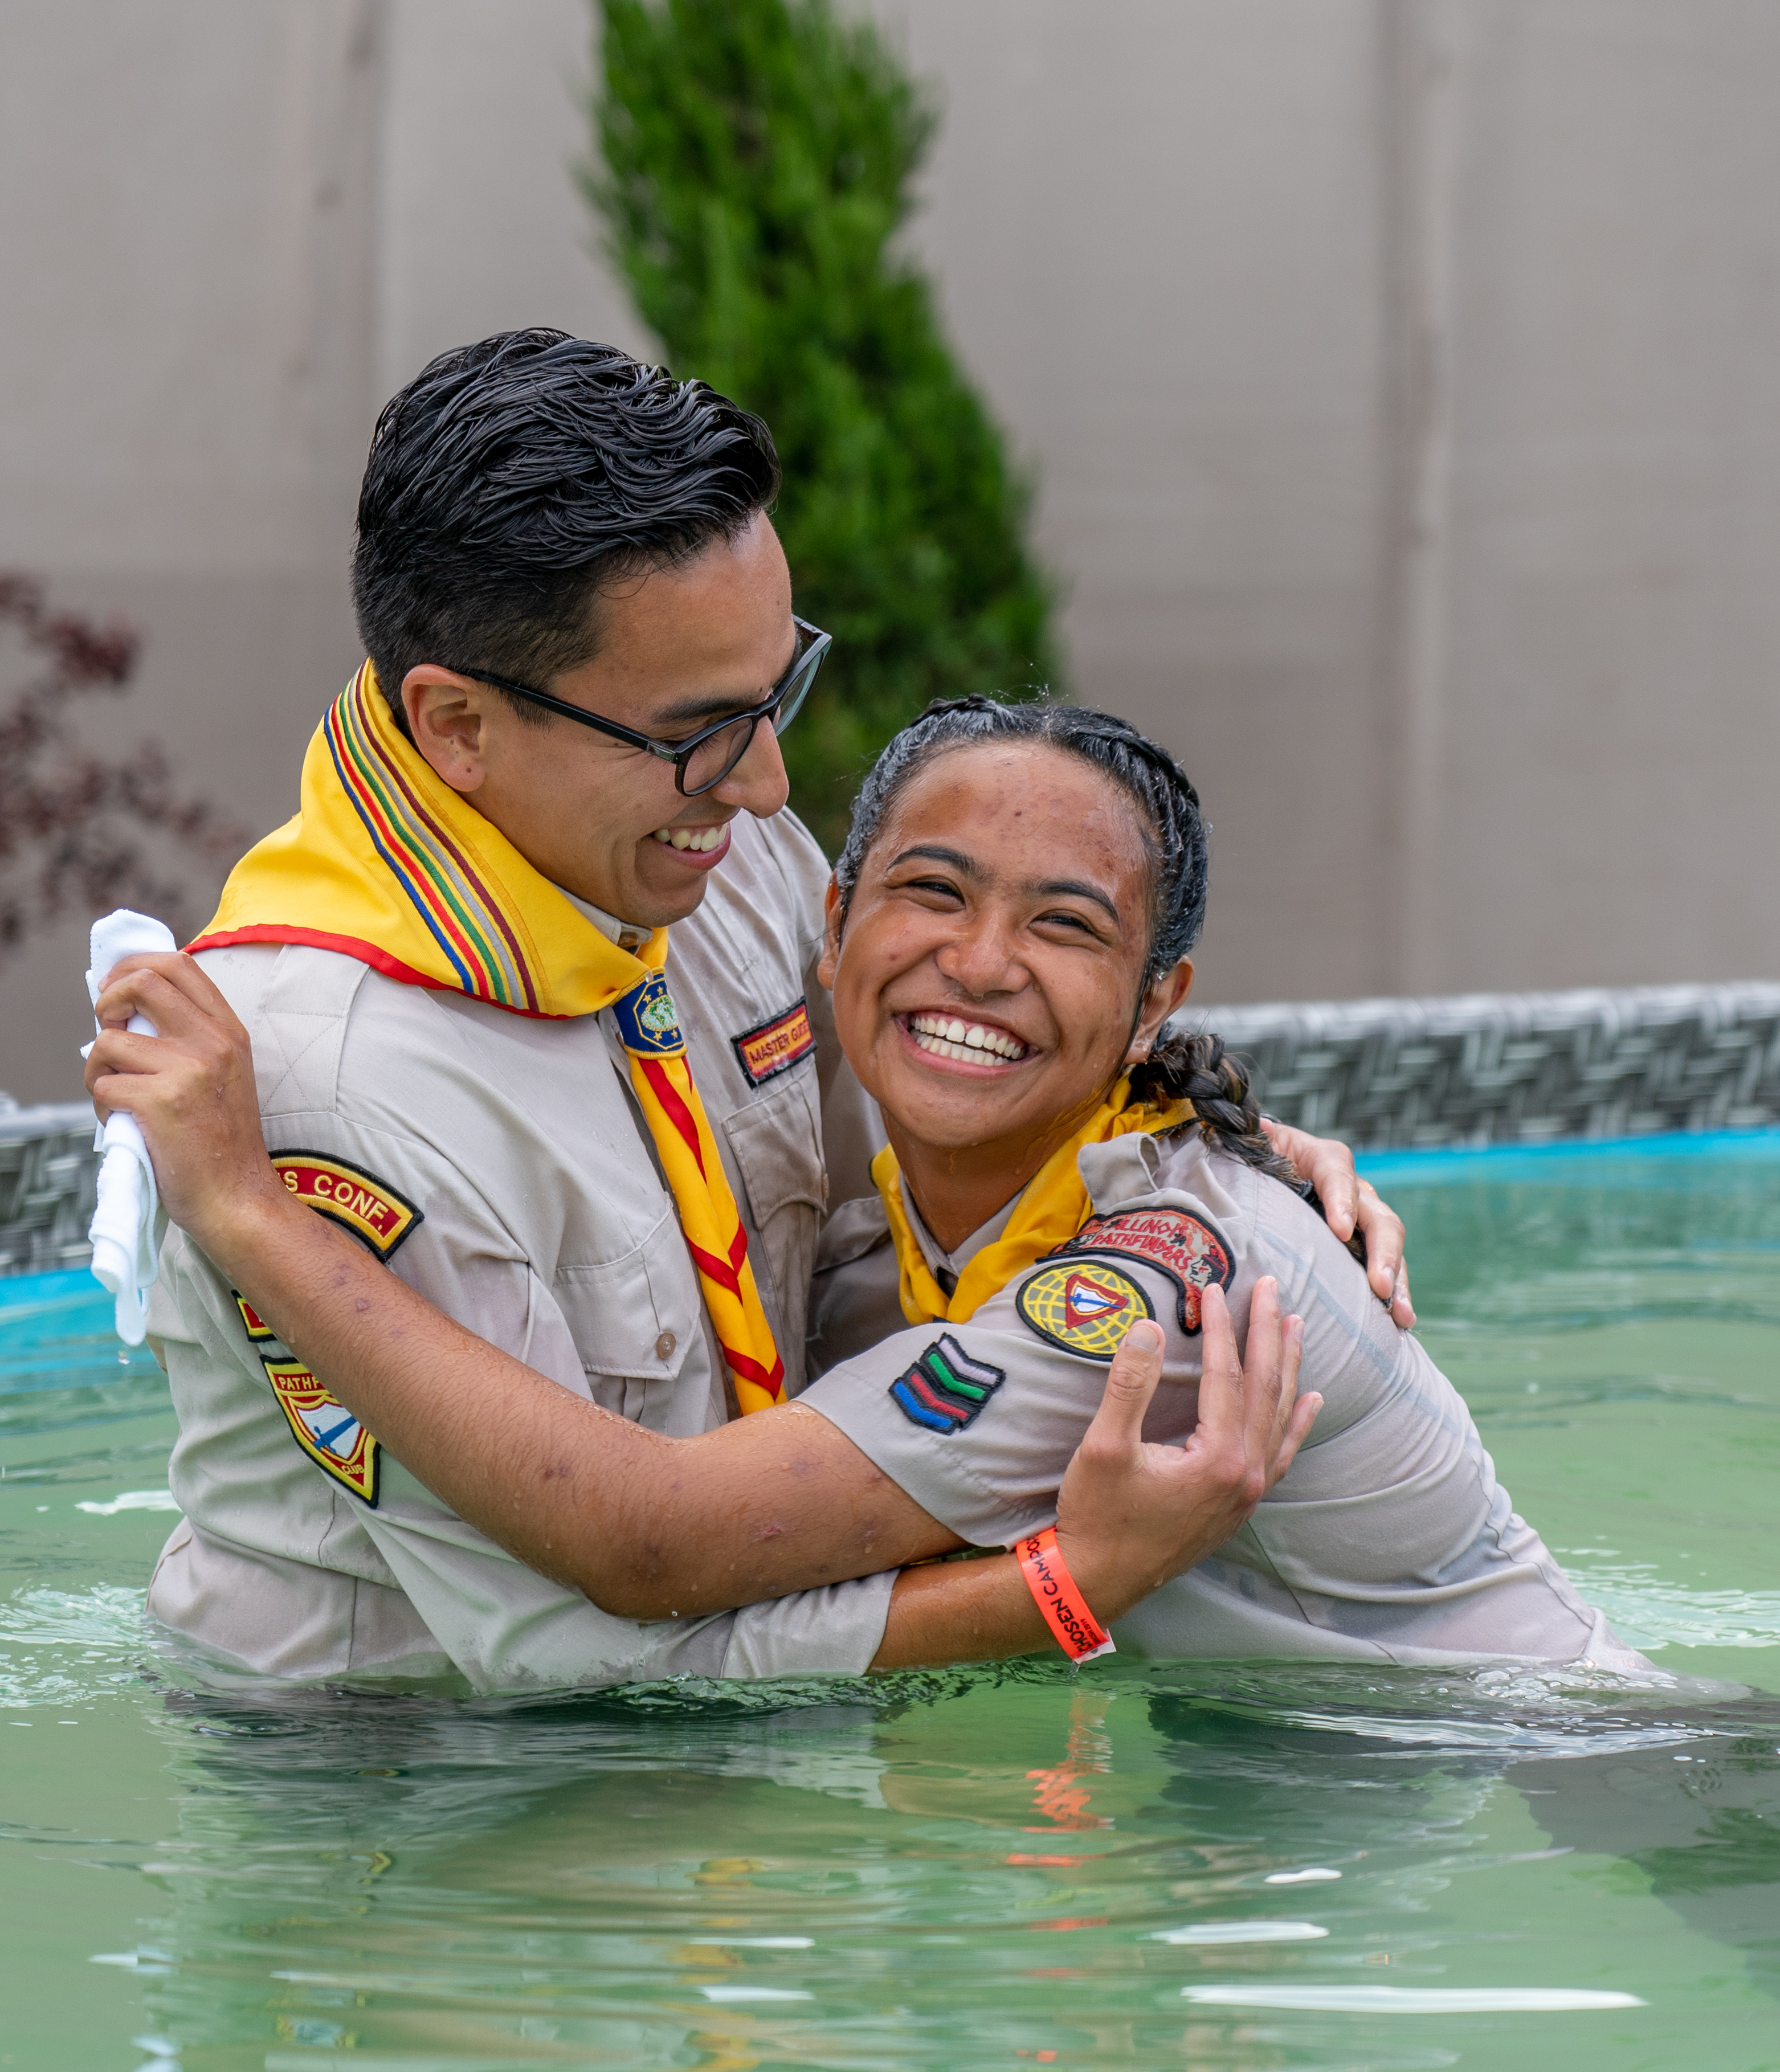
385 863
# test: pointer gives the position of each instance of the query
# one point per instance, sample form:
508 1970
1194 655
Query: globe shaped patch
1083 1306
657 1012
647 1022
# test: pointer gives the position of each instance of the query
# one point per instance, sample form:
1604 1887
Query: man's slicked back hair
511 478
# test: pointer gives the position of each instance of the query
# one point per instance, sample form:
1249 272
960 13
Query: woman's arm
644 1525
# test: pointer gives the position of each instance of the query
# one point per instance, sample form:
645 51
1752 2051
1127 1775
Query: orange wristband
1079 1634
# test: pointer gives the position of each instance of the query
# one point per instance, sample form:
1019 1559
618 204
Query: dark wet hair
511 478
1197 1068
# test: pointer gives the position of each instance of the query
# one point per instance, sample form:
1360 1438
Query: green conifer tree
758 161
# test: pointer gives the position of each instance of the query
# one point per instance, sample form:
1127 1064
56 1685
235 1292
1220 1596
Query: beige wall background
1403 377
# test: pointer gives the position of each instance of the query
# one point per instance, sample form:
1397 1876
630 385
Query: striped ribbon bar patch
946 1389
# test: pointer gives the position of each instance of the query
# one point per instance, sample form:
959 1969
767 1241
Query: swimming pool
1202 1866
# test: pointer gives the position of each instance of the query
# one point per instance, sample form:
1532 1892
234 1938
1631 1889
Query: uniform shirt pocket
634 1319
777 1142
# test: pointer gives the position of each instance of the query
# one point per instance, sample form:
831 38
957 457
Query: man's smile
701 847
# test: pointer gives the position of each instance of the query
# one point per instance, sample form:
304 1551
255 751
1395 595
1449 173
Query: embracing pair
563 1337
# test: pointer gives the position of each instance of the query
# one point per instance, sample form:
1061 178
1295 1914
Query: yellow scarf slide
1054 1207
386 863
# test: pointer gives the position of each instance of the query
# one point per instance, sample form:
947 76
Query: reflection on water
1251 1866
951 1878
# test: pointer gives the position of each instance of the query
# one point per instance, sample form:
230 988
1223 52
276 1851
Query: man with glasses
604 1147
579 624
702 760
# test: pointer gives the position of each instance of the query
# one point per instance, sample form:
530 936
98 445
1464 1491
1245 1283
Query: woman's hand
1349 1203
1130 1516
191 1090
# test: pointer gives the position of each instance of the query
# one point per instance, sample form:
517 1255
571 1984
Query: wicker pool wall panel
1514 1068
1463 1070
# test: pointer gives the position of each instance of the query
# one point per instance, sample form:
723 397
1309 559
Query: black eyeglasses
703 759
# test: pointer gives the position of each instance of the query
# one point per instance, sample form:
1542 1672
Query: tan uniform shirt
545 1225
1390 1538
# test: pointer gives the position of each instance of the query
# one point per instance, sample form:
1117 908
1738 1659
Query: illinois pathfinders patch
775 1046
1188 1249
946 1389
1086 1308
324 1428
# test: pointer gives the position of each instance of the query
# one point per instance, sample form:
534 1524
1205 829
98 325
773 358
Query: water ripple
102 1623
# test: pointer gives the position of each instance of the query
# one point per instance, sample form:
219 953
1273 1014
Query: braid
1199 1069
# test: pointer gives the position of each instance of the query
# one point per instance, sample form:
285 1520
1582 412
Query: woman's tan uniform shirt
1390 1538
545 1225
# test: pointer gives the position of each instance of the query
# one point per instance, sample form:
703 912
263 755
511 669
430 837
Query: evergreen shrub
757 163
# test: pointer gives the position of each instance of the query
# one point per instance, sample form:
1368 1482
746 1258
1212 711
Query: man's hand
1350 1202
191 1088
1130 1516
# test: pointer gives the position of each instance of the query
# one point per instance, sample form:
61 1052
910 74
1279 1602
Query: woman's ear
834 915
1163 999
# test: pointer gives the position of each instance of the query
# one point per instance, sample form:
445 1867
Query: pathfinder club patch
946 1389
1186 1248
1087 1309
775 1046
649 1022
364 1204
324 1428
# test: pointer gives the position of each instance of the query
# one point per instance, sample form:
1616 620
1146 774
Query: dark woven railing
1473 1069
49 1177
1515 1067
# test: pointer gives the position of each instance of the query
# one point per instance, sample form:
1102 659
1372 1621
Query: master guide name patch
775 1046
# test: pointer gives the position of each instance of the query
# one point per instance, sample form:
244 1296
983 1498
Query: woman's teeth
697 838
971 1042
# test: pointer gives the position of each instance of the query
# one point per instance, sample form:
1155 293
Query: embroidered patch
775 1046
946 1389
1187 1249
324 1428
1086 1309
648 1020
367 1206
256 1327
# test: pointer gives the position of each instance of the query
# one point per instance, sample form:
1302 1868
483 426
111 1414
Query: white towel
127 1225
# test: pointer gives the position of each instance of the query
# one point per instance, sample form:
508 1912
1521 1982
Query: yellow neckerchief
1054 1207
386 863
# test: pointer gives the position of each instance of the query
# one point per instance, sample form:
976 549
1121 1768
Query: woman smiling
1072 1206
1059 1167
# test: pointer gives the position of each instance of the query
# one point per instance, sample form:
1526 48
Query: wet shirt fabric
502 1166
1390 1538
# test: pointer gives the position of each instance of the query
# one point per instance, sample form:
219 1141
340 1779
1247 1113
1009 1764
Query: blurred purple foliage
78 830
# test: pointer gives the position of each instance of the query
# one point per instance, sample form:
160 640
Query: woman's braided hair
1195 1067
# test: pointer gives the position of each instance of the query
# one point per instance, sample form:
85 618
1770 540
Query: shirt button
664 1346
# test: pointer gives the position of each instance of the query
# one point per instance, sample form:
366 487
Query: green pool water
1207 1865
